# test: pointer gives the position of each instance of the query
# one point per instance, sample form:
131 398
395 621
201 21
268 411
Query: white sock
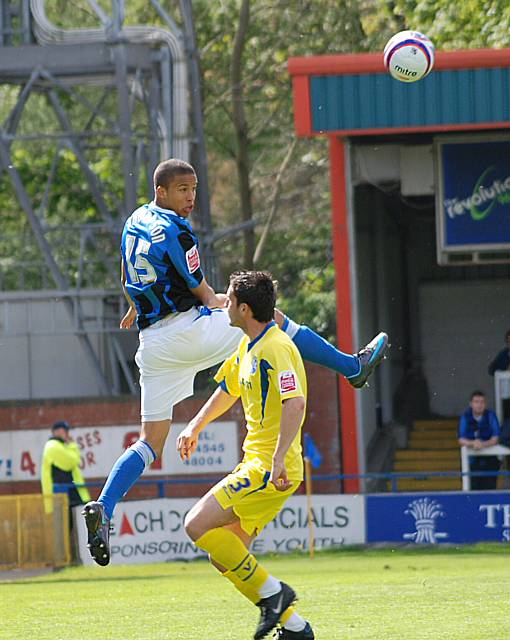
144 450
270 587
295 623
290 327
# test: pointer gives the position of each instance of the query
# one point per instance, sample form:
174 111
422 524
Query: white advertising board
21 451
153 530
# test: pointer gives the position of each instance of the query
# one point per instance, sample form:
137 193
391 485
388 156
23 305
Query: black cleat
369 357
272 609
305 634
98 528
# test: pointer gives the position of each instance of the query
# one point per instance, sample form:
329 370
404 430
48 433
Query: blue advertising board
473 194
435 518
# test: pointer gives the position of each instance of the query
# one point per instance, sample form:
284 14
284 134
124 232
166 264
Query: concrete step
427 465
430 484
422 425
433 434
428 454
435 445
419 442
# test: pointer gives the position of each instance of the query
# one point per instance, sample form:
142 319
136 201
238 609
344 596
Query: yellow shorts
253 498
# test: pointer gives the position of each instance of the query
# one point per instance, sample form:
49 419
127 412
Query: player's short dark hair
507 334
167 170
477 393
258 290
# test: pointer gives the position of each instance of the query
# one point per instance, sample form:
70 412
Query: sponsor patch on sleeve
287 381
193 259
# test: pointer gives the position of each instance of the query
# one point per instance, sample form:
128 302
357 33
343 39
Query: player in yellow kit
267 373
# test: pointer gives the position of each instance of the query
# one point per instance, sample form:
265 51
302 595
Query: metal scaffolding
115 94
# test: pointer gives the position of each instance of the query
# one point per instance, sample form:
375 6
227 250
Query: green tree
469 24
252 126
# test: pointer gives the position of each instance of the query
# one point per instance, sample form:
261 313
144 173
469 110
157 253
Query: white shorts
174 350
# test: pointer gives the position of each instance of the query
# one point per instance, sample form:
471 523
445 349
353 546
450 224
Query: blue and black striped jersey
161 263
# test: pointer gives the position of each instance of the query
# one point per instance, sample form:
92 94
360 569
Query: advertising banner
217 452
439 518
473 203
153 530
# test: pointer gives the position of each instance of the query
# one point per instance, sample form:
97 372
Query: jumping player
184 328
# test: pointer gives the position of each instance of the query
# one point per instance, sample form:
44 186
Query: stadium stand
432 446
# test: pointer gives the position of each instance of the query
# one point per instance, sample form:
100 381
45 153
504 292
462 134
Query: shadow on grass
404 549
62 579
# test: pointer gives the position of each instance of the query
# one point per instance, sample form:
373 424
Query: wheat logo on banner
425 513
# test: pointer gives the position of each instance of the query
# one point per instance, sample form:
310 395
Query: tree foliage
469 24
298 247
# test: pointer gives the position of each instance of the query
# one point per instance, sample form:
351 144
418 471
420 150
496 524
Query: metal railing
91 315
465 454
391 477
20 312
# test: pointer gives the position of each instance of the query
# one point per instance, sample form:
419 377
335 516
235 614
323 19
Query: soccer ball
409 56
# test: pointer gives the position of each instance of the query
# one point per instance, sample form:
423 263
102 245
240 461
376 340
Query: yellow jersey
263 373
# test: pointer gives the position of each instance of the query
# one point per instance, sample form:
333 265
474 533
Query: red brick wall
322 422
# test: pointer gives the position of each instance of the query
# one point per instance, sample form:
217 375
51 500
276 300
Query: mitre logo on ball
409 56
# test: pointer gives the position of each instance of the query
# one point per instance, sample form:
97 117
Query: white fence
465 453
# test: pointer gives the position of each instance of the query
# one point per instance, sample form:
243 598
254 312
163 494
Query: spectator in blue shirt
502 361
479 429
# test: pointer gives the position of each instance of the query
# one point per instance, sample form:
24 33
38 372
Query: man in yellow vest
61 465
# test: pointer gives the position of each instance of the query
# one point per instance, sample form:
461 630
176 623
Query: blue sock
126 471
314 348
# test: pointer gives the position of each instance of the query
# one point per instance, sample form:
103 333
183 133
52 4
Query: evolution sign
473 204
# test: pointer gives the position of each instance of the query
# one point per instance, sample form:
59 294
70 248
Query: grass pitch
377 594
